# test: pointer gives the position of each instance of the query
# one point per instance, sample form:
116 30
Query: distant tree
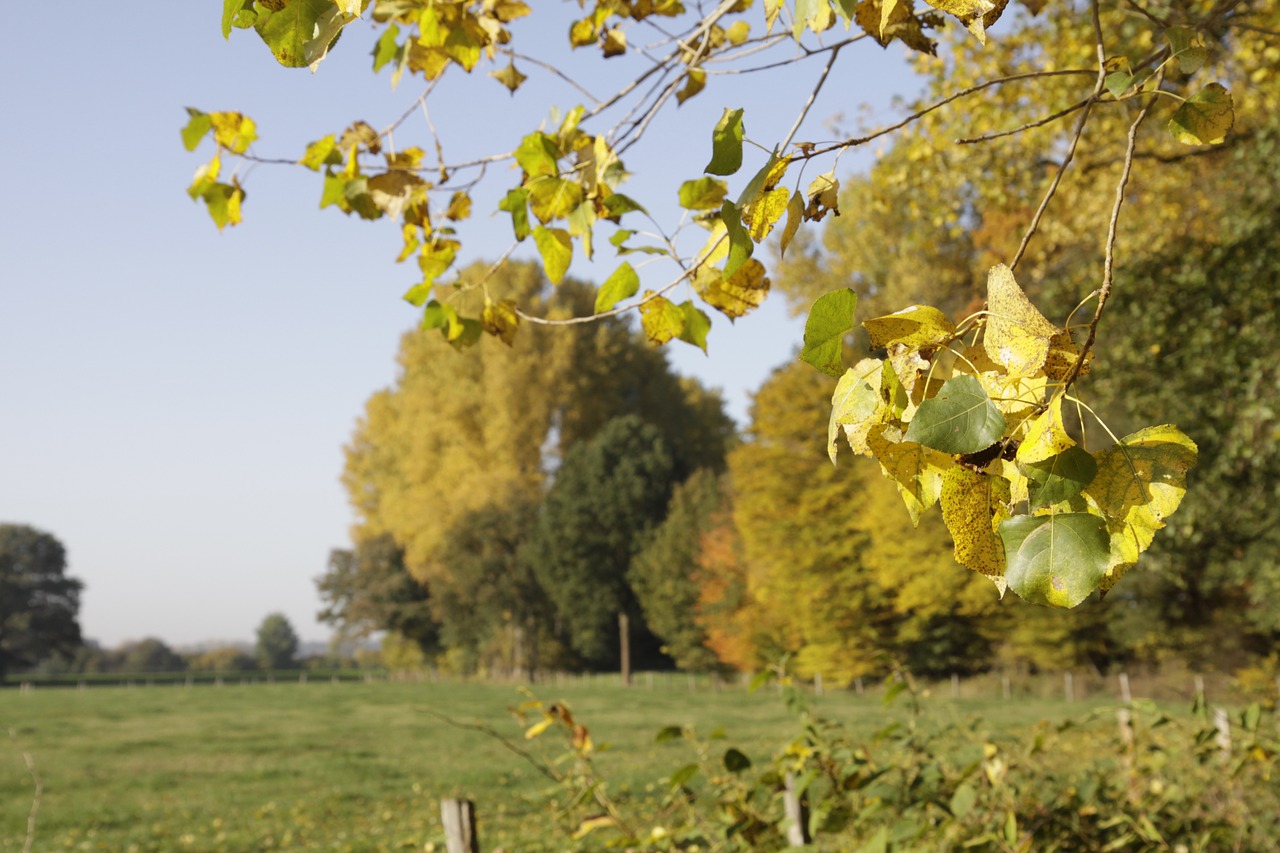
38 602
608 496
493 612
225 659
149 655
277 646
663 575
368 589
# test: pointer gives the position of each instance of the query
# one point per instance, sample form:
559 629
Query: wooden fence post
1005 687
857 685
817 684
1222 722
1125 696
955 686
459 820
797 814
1068 686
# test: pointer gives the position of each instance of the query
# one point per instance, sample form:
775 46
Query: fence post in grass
1125 696
955 686
1068 686
1222 722
1006 689
797 814
1199 683
817 684
459 820
302 678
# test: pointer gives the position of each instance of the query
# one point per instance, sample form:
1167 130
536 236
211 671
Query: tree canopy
39 602
277 646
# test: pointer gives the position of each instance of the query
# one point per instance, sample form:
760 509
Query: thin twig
1104 292
919 114
1040 122
538 765
556 71
1098 87
813 96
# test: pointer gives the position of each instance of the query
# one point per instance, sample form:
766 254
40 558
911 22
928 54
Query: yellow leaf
917 327
795 215
855 406
501 320
1140 483
1046 436
1017 335
661 319
615 43
973 505
233 131
918 471
976 15
824 197
539 727
591 824
764 211
741 293
1063 354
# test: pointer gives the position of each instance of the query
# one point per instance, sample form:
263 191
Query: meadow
362 766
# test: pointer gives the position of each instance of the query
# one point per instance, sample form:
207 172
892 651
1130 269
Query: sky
173 399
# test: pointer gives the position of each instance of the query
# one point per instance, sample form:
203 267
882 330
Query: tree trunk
624 638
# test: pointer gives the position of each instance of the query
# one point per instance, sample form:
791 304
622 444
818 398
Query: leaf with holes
917 327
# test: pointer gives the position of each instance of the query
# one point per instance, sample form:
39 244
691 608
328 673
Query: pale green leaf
740 245
696 325
705 193
830 319
556 248
1205 117
516 203
726 144
1058 478
660 319
622 284
1056 560
290 28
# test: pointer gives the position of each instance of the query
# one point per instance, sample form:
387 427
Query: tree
225 659
368 589
277 646
664 574
39 603
149 655
608 496
1131 88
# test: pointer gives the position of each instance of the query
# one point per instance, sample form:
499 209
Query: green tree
39 603
225 659
494 614
149 655
277 645
608 496
664 575
368 589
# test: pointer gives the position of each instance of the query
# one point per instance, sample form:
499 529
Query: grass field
360 766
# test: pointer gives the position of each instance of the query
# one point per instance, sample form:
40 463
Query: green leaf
501 320
668 733
538 154
830 319
726 144
617 204
1205 117
622 284
963 801
231 12
1187 47
290 29
959 419
516 203
386 48
322 152
556 248
696 325
198 125
735 761
705 193
683 775
1057 560
1059 478
854 405
740 245
435 315
553 198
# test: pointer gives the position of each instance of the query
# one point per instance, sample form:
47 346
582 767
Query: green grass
361 766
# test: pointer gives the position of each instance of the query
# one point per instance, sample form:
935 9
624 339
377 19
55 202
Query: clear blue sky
174 400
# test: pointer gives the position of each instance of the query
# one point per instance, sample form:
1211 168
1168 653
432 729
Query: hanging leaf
795 215
197 126
695 80
741 293
918 471
830 319
726 144
1205 117
854 405
510 77
960 419
917 327
660 319
976 15
696 325
622 284
1017 335
538 154
501 320
516 203
556 248
705 193
553 198
1057 560
1058 478
824 197
290 27
767 209
740 245
1047 436
973 506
